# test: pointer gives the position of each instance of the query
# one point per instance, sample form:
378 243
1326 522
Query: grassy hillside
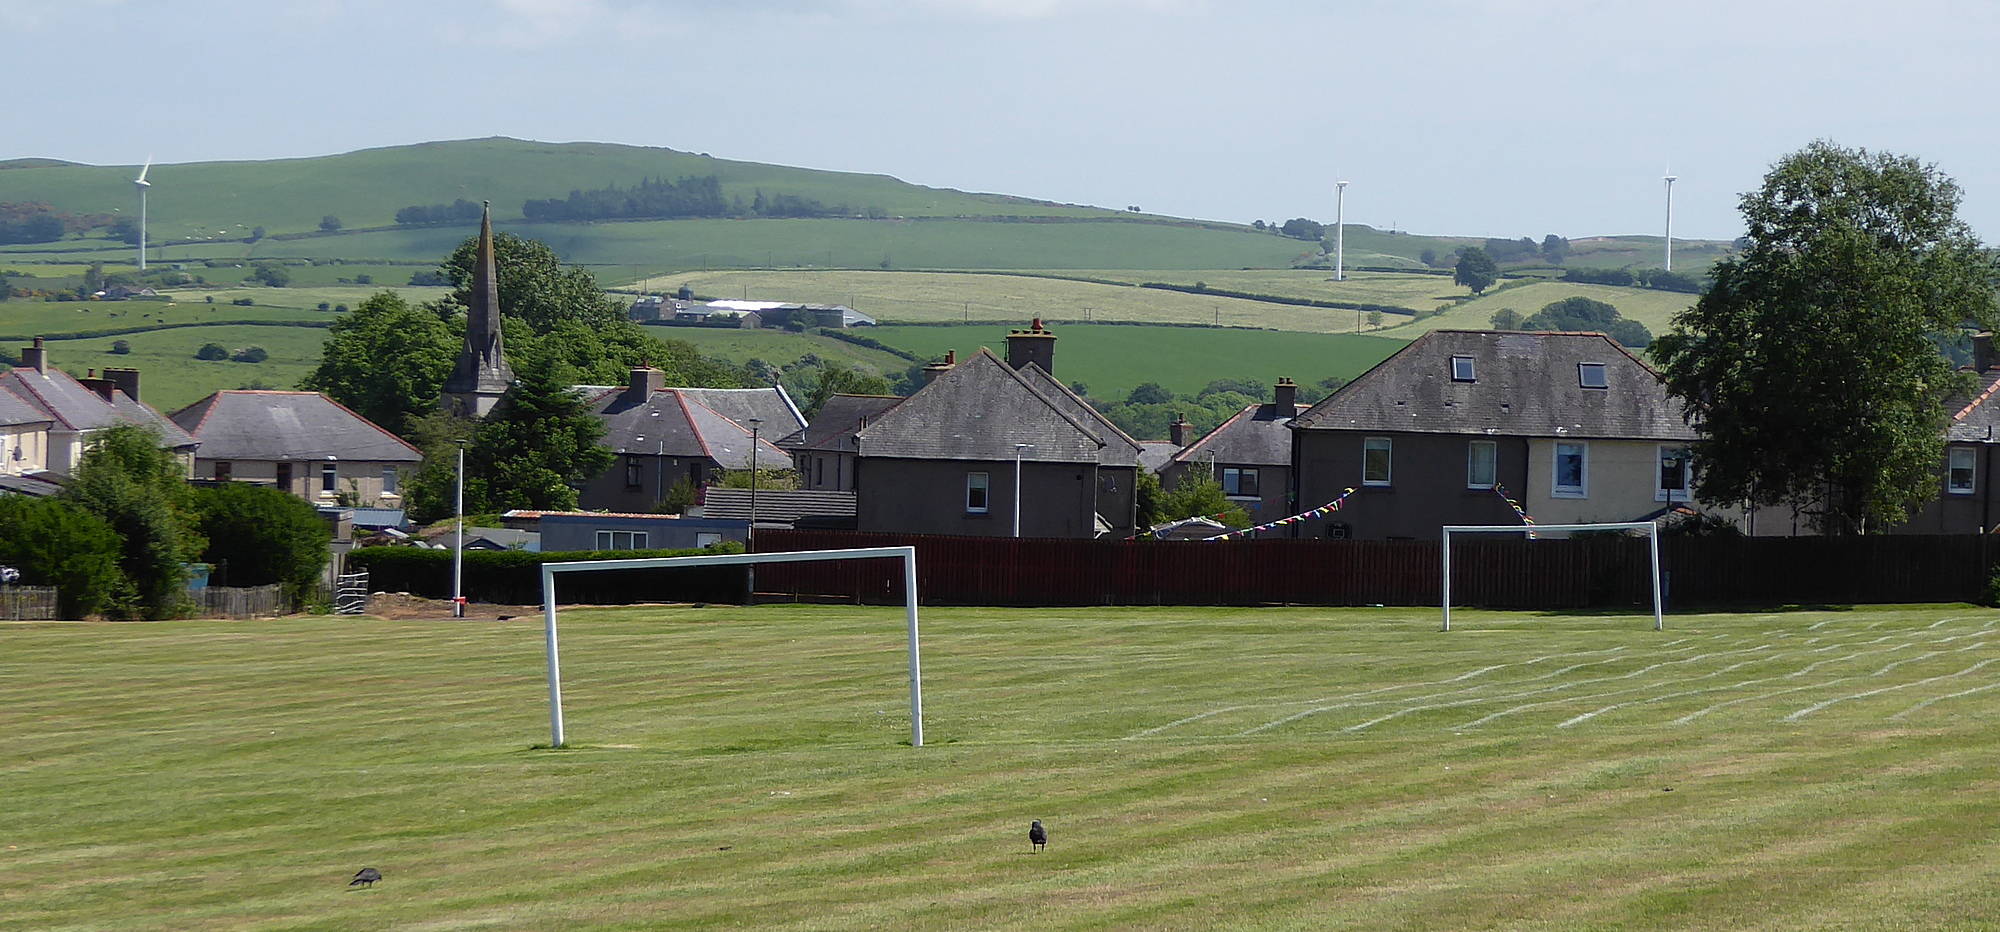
171 378
1655 309
1112 360
1196 768
781 348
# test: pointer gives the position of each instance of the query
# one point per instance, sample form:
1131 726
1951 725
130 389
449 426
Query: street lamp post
1019 448
458 549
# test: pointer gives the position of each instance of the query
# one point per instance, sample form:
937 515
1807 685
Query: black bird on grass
365 877
1037 835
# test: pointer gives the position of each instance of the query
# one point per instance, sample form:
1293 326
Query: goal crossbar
907 554
1651 528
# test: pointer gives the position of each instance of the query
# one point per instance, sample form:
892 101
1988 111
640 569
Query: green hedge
513 577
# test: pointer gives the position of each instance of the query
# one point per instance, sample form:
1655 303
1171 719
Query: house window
222 471
1375 461
1482 459
1675 475
1238 481
634 474
388 480
329 476
1461 369
1962 460
621 540
1590 375
975 493
285 476
707 538
1572 472
819 471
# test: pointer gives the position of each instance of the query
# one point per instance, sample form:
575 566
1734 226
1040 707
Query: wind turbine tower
142 184
1339 231
1670 221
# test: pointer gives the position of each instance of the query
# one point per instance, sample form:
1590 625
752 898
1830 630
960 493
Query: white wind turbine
142 184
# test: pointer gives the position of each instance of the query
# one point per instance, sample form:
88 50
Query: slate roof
978 411
69 405
1154 455
1258 435
1119 447
681 422
1977 419
842 415
1526 386
15 412
33 485
775 506
269 425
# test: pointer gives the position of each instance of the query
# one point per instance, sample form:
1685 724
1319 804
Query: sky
1471 117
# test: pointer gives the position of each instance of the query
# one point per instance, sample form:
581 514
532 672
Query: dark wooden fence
1582 572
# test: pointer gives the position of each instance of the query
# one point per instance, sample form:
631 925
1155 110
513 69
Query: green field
171 378
1197 768
1111 360
781 348
1655 309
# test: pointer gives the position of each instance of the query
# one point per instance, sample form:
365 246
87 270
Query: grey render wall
579 532
609 491
928 497
1427 490
1948 514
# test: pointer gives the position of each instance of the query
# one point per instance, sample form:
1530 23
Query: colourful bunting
1526 519
1321 511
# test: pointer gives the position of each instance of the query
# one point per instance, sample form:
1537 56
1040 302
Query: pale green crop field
171 378
1196 768
1655 309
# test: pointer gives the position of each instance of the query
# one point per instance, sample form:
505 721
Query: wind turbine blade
142 171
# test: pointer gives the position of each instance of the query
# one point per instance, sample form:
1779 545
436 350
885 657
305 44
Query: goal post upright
1652 529
906 553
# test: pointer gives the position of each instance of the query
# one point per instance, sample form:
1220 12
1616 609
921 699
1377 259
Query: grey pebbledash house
944 461
1571 425
1249 455
304 443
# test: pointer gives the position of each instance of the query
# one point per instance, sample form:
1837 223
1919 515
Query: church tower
482 374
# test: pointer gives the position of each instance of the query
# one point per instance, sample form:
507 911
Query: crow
1037 835
365 877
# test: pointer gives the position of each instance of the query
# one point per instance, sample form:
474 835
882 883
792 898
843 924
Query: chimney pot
1177 432
1033 345
1287 396
645 381
1982 352
125 380
932 371
36 357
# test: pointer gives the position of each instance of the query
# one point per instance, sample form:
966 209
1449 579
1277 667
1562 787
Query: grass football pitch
1196 768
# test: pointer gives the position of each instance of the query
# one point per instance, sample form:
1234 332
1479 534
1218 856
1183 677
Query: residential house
569 531
662 435
1250 455
55 414
1965 502
302 442
824 451
1571 425
950 458
24 448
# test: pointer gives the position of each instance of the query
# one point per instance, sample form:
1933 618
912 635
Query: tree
256 233
1301 228
1198 493
386 360
836 379
1476 270
121 347
1555 248
539 444
272 274
259 536
250 354
57 543
1374 320
1428 257
212 351
329 224
1149 393
535 286
141 490
93 279
1506 318
1809 366
1581 313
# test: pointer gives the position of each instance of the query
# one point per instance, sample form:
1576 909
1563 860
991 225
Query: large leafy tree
259 535
141 491
535 286
534 451
387 360
1810 367
56 543
1476 270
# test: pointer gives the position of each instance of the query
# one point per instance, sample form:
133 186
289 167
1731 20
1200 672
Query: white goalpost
907 554
1651 528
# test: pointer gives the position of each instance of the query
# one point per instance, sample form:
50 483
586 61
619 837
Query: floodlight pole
458 549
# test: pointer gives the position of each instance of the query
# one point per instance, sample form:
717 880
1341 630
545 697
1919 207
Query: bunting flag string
1526 519
1320 512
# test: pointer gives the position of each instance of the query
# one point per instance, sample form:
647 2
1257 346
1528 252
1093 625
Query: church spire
482 374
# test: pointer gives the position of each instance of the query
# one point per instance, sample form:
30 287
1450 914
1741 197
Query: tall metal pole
750 533
916 666
458 550
142 228
556 738
1018 448
1670 223
1340 231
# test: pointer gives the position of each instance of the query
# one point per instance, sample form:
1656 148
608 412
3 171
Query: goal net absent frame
1651 528
907 554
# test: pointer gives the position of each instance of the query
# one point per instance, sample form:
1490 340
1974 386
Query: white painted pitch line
1736 685
1816 627
1185 721
1938 622
1691 716
1927 703
1808 710
1529 706
1267 726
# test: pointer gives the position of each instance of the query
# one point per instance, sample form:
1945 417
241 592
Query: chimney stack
35 357
645 381
1177 432
127 381
1287 396
1982 352
1033 345
932 371
102 387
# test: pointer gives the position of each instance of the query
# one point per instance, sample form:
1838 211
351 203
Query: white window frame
1240 472
1602 370
1556 488
1952 456
984 483
707 538
1661 493
391 481
1471 370
329 478
1492 463
631 540
1388 447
